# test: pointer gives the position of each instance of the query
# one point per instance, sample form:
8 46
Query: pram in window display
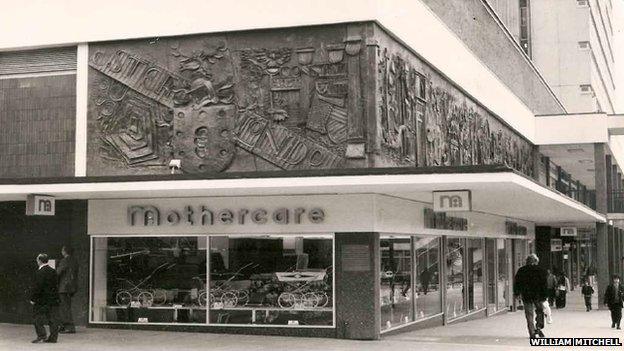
155 272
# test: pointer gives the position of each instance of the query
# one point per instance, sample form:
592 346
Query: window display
490 250
149 279
455 277
503 276
262 279
409 279
474 264
428 298
271 280
395 290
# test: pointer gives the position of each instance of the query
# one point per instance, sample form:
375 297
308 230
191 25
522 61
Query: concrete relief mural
289 99
401 108
459 133
218 103
425 121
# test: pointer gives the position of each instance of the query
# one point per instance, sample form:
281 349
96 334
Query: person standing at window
68 276
614 298
45 300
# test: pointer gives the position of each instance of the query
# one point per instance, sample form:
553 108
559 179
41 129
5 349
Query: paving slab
502 332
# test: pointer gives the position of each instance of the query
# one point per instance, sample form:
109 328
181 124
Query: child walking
587 292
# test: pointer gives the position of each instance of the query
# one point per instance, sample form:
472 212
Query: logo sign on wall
556 245
452 201
39 205
569 231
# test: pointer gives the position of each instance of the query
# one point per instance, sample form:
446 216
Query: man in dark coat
530 284
68 275
613 298
45 301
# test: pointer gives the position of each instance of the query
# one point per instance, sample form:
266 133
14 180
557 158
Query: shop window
271 280
502 281
490 253
149 280
395 289
455 250
428 296
409 279
474 264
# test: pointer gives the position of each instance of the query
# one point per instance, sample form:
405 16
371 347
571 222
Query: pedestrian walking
530 285
587 291
613 298
67 286
551 286
45 300
563 286
547 311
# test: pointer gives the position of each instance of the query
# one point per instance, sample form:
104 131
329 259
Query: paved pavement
502 332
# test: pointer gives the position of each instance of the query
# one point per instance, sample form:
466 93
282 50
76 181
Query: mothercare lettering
148 215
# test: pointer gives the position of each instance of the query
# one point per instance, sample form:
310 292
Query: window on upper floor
525 27
586 89
582 3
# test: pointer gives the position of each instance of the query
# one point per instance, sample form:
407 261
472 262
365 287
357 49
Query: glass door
490 252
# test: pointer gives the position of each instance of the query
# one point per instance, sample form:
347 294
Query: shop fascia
150 215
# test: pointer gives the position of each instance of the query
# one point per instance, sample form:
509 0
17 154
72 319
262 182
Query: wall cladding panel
38 118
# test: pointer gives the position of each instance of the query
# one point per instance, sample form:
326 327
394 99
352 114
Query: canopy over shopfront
495 190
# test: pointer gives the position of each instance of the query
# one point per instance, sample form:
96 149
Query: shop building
344 179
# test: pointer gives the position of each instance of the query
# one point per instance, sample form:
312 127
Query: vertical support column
82 84
609 190
617 199
602 266
610 245
536 162
357 286
547 166
542 246
620 258
355 111
616 250
614 184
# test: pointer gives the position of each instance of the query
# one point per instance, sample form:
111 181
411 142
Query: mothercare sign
204 215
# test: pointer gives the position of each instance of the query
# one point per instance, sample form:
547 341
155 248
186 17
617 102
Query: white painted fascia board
616 124
551 194
571 129
54 23
616 148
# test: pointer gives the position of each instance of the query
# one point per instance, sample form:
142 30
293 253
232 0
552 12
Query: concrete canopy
503 192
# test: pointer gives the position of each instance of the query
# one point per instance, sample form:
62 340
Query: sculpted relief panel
222 103
289 99
425 121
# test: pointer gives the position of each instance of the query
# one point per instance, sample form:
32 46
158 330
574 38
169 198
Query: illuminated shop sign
148 215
